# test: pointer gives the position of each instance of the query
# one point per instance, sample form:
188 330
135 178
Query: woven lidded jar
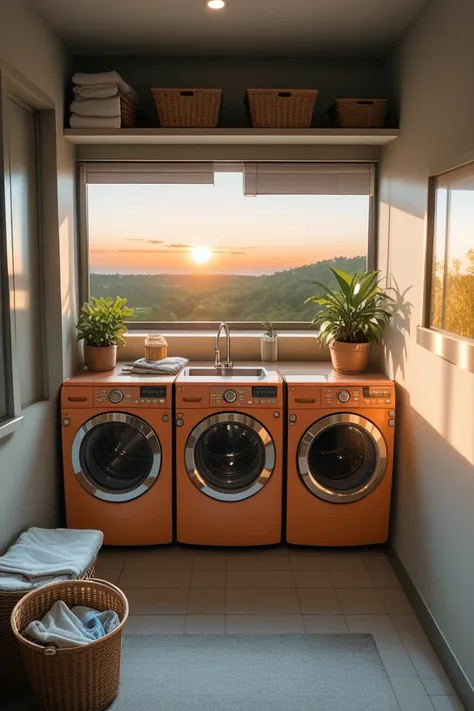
156 347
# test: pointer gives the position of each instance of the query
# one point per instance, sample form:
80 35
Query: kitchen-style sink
239 372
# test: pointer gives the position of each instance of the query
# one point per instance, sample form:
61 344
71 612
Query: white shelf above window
232 136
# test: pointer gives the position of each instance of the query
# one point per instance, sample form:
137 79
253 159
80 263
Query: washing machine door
342 458
229 456
116 457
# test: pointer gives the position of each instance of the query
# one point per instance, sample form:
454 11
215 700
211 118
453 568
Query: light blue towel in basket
62 627
43 555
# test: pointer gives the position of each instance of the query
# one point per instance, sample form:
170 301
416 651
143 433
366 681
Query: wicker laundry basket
188 108
358 113
281 108
79 678
11 670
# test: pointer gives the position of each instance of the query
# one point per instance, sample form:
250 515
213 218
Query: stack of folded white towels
98 101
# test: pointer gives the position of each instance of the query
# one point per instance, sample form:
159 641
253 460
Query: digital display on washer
264 391
152 391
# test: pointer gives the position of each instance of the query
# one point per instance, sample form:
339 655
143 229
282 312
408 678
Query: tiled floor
283 590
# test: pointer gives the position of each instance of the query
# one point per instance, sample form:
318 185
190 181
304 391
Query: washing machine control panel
360 396
245 396
135 396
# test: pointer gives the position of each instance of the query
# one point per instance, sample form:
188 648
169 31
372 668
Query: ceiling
245 27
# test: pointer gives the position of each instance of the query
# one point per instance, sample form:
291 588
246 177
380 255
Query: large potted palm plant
101 325
351 317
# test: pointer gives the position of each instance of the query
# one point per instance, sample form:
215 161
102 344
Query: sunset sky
152 229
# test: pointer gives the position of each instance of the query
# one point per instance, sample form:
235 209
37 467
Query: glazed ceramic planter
100 358
349 358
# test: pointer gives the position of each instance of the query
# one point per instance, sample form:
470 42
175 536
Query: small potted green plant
269 343
351 318
101 325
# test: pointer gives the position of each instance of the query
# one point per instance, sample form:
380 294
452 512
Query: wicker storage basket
358 113
11 670
80 678
156 347
281 108
127 112
188 108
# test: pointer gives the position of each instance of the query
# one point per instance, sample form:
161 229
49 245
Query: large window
452 278
240 242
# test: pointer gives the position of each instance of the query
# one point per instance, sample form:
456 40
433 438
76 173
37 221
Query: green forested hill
190 297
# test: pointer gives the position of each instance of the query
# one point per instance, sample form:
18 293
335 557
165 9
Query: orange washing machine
340 459
229 458
117 454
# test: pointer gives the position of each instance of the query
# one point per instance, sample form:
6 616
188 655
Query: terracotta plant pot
100 358
349 358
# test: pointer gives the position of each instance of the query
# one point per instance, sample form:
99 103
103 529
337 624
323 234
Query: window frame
453 348
13 83
199 326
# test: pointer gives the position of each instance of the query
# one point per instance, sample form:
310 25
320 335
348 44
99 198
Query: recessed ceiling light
216 4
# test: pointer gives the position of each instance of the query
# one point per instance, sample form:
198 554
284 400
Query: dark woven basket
188 108
281 108
12 675
358 113
127 112
79 678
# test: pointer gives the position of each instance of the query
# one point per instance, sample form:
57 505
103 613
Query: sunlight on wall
433 384
21 299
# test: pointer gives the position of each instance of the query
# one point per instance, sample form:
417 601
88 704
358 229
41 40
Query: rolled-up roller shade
308 179
146 172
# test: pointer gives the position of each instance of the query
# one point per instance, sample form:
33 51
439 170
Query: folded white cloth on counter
82 79
64 628
96 91
77 121
106 108
43 555
166 366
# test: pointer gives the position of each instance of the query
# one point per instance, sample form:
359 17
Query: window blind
308 179
146 172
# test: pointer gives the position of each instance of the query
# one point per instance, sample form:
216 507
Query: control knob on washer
230 396
115 396
343 396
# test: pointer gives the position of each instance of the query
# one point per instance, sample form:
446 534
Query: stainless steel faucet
217 362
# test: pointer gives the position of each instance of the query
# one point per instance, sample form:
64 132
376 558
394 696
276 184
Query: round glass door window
229 456
116 457
342 458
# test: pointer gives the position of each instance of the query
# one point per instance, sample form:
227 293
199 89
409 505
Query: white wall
433 522
30 482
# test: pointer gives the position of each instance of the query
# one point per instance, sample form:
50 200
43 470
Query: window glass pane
26 296
3 384
210 253
452 306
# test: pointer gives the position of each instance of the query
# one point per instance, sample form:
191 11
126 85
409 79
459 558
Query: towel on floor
97 107
97 91
43 555
82 79
64 628
166 366
95 121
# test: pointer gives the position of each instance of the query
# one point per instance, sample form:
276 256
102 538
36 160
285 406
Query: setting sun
201 255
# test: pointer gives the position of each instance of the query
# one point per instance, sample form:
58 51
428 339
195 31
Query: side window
26 294
451 306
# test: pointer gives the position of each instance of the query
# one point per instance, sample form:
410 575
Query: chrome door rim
223 418
91 486
329 494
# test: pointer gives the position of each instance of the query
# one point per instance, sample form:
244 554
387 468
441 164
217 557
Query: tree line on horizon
198 297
